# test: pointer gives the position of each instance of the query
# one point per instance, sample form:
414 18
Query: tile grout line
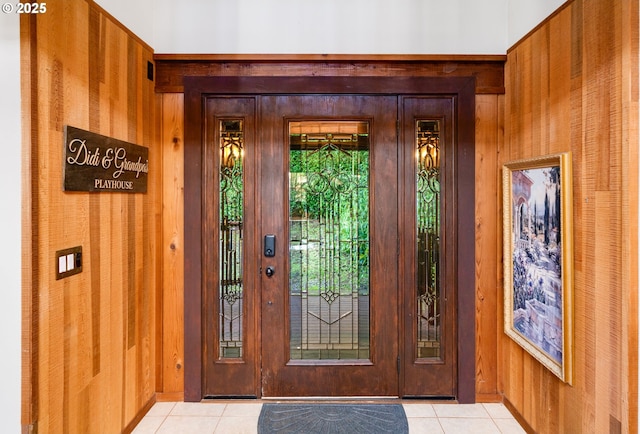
164 418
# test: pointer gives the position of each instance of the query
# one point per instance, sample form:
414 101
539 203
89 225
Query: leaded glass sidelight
329 240
428 242
231 215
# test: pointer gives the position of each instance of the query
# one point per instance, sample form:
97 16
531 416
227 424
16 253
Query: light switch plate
68 262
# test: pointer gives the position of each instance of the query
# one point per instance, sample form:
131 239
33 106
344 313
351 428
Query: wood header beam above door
488 70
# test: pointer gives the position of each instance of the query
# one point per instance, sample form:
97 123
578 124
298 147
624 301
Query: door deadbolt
269 271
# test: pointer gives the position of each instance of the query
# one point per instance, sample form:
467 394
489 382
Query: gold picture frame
538 259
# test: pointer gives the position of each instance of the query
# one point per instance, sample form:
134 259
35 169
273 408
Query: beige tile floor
241 417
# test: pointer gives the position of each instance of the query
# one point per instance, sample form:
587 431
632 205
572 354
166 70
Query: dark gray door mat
287 418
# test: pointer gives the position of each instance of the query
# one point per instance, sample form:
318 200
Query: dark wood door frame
461 88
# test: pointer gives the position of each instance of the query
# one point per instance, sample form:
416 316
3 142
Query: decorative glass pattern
428 246
329 240
231 214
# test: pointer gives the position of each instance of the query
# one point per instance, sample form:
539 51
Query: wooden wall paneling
488 288
564 412
53 349
626 269
559 68
608 309
506 380
156 238
602 170
629 227
149 213
498 249
150 220
630 208
578 407
95 340
29 338
172 141
517 87
587 315
572 85
540 86
131 288
114 247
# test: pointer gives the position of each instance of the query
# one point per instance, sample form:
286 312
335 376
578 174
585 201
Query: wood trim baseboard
157 397
516 414
170 397
140 415
488 398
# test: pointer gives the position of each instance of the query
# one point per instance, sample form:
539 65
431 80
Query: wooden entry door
269 323
328 193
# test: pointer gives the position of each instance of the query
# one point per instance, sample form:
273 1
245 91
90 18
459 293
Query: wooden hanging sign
97 163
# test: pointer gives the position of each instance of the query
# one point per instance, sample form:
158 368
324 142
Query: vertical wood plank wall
172 142
572 85
91 363
489 135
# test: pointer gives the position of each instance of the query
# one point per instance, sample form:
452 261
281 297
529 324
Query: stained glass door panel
329 240
231 285
230 300
428 327
429 356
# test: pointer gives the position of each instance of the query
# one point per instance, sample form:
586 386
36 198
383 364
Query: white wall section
525 15
10 221
317 26
331 26
136 15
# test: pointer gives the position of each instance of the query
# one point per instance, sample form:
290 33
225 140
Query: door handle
269 245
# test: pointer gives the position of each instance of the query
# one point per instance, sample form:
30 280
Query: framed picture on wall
538 259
